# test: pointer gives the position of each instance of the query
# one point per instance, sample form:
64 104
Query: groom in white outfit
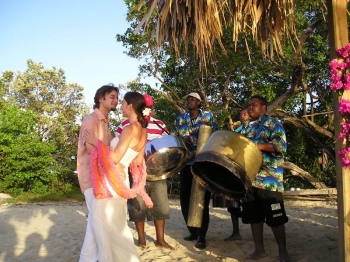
105 101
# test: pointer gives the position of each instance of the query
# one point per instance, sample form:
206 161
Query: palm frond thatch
200 22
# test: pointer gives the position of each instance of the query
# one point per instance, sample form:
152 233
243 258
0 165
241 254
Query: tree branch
297 171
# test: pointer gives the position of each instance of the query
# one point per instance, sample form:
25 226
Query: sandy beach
55 231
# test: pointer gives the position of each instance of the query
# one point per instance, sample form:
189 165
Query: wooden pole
338 37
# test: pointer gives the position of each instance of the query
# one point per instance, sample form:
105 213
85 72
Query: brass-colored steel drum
198 192
165 156
227 164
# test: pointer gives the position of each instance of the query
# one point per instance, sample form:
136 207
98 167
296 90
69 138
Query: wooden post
338 37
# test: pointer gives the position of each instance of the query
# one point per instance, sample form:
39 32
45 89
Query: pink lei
103 168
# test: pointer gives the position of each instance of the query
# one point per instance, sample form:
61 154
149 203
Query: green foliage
26 161
72 194
173 185
52 110
302 150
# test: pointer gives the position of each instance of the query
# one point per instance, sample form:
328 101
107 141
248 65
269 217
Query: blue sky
77 36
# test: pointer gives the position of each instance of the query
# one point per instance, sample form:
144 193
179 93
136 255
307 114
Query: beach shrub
26 162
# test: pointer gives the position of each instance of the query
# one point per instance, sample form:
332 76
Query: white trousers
88 251
109 234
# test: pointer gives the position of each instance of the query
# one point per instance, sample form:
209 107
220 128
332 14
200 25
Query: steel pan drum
165 156
227 164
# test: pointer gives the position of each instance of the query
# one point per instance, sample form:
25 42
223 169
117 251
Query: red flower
340 81
344 155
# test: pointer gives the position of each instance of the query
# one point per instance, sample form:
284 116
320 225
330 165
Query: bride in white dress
114 238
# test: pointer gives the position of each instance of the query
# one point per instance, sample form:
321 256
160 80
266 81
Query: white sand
54 232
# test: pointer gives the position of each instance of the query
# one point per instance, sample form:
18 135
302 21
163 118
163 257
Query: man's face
244 116
255 109
192 103
110 101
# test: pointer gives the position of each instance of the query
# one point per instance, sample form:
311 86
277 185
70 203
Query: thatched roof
199 22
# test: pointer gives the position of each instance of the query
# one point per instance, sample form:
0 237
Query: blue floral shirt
184 126
241 128
270 175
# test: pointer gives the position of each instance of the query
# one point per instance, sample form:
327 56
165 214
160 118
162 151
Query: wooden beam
320 198
338 37
311 192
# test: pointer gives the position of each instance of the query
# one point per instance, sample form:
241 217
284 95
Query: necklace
194 121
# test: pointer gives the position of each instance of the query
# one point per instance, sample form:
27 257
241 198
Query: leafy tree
26 162
57 106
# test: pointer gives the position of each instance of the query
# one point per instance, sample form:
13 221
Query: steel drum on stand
227 164
165 156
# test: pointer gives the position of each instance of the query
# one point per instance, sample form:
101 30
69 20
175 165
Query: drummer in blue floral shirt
264 201
187 125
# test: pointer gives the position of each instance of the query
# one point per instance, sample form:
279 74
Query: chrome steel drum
165 156
227 164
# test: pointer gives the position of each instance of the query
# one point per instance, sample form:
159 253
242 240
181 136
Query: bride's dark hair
139 104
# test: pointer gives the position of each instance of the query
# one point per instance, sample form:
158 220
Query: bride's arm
139 158
123 144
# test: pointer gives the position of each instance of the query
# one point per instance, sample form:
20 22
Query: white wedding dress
113 235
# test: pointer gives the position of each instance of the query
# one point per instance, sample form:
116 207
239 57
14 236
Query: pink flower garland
340 81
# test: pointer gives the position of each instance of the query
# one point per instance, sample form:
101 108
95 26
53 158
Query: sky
77 36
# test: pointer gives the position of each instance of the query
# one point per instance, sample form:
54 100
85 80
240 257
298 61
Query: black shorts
261 205
235 207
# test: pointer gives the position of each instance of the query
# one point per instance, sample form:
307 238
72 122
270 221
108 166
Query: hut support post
338 37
